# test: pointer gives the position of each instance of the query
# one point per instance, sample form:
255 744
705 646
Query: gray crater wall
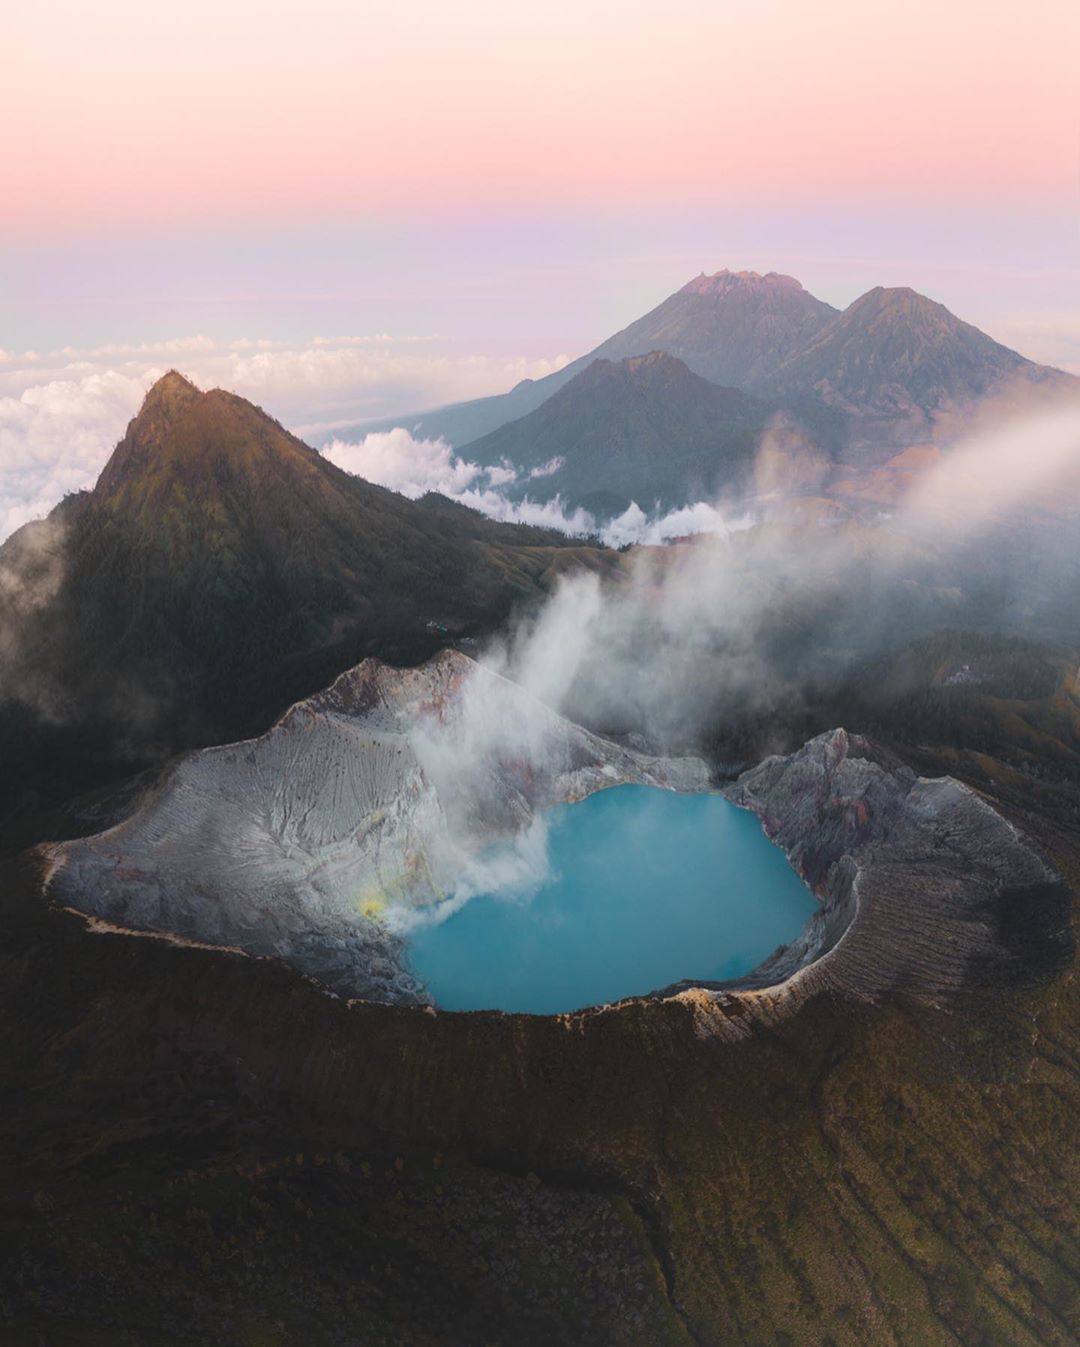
369 804
361 810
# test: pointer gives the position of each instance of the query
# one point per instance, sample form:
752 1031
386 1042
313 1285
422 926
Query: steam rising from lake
787 587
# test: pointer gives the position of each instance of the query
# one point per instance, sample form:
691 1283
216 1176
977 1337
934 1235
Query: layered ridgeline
891 363
220 568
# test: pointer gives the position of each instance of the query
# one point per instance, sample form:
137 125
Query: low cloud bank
413 467
987 477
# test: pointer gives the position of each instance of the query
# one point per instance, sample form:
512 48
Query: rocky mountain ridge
892 361
895 362
918 879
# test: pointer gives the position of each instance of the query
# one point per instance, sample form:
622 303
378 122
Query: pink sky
130 114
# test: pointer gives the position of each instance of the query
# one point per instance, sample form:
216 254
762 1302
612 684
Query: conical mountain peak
900 301
733 328
171 384
169 395
203 438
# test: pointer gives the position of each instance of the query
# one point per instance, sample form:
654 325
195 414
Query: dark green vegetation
885 367
219 570
951 696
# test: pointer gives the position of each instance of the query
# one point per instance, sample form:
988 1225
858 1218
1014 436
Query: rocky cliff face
363 808
920 880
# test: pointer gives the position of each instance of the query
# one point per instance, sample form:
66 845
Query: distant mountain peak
900 300
172 390
722 282
896 361
642 428
892 360
650 368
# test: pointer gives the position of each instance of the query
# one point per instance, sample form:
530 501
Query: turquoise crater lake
647 888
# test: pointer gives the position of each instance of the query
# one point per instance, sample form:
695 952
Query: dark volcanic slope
734 328
894 359
644 429
220 566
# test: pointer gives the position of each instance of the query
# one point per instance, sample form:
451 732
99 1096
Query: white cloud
548 469
503 474
62 414
1031 459
550 514
398 461
635 526
55 437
